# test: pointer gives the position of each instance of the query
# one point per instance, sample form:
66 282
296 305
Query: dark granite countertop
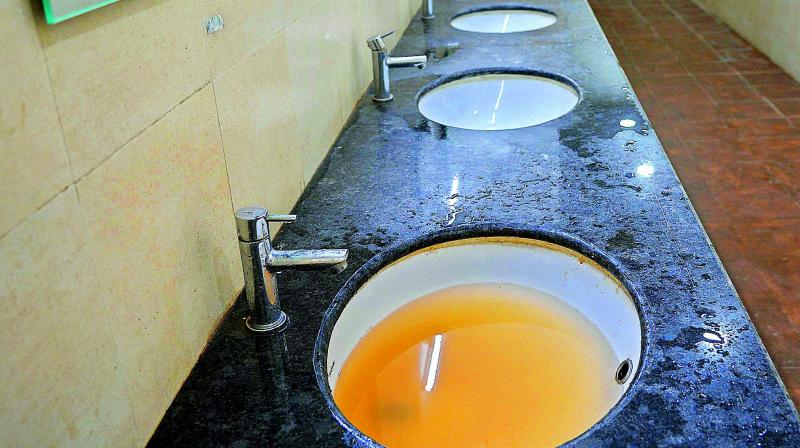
387 185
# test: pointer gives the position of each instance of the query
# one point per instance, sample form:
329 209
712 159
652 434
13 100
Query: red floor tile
728 88
791 379
789 108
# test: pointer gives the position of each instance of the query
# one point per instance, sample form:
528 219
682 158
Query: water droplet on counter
712 337
627 123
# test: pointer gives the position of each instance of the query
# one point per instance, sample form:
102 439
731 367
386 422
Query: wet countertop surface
393 179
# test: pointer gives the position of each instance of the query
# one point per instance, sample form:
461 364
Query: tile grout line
213 78
37 209
60 122
222 144
138 134
102 162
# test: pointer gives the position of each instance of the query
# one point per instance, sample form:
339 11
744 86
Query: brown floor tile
727 88
789 108
771 127
782 275
754 65
725 239
679 91
738 178
791 379
709 67
689 107
657 69
699 55
706 28
781 150
778 92
778 78
697 130
784 235
726 41
786 175
759 108
759 206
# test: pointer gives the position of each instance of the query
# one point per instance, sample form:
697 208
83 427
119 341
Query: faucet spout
308 260
407 61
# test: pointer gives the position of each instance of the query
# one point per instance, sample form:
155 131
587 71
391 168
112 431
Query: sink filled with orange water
483 342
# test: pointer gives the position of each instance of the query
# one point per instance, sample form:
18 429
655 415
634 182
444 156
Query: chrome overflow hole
624 371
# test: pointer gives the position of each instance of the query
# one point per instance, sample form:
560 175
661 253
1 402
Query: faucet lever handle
281 218
376 43
252 222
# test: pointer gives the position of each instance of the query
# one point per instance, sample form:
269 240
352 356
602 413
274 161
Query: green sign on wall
60 10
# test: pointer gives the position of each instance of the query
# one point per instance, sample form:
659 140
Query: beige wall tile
116 70
34 161
60 381
380 17
163 233
249 24
259 129
353 57
315 86
294 9
102 330
414 6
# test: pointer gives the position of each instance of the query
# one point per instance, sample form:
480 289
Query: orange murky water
480 365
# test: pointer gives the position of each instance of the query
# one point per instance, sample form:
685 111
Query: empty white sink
503 20
498 101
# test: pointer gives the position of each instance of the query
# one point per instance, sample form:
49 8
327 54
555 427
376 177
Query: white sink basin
498 101
576 282
503 20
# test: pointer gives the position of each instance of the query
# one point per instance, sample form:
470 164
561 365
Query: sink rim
510 6
481 71
467 231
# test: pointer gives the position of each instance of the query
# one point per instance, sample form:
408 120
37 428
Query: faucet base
382 100
430 17
261 328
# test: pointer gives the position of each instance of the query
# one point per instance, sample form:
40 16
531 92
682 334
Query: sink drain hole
443 51
624 371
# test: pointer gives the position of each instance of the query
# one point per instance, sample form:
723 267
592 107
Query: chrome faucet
382 62
261 263
427 10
